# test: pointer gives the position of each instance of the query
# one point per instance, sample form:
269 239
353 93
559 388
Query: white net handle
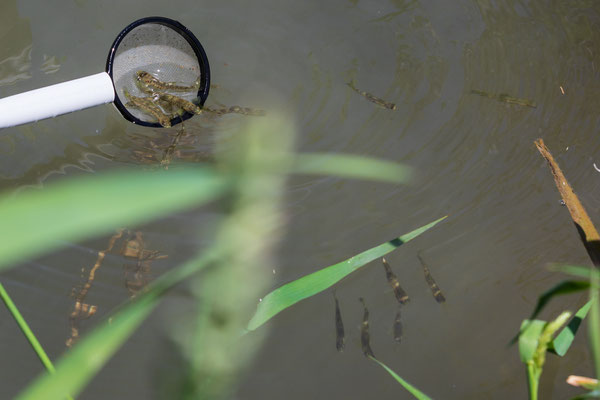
62 98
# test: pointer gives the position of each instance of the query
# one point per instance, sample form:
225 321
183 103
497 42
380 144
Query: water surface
474 158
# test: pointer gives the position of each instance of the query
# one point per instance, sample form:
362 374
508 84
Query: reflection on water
136 269
474 158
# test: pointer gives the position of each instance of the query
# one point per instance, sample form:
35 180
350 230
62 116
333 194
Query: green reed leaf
594 321
309 285
565 287
351 166
36 221
565 338
575 270
413 390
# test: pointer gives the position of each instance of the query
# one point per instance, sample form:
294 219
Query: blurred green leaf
413 390
86 358
309 285
528 340
579 271
591 395
546 337
38 221
565 287
565 338
351 166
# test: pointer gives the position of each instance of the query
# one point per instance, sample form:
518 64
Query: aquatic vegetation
413 390
535 336
534 340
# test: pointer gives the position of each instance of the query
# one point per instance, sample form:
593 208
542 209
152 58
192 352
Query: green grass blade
351 166
594 322
578 271
37 221
35 344
309 285
565 287
565 338
413 390
83 362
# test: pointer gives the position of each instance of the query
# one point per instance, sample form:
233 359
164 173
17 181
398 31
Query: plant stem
533 379
37 347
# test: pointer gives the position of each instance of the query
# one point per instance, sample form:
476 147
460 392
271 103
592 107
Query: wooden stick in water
586 229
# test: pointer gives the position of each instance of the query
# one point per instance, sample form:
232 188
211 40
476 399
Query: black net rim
192 41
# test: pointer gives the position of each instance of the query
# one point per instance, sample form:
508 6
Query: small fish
397 327
371 98
505 98
179 102
339 326
365 339
435 289
151 82
400 294
147 105
255 112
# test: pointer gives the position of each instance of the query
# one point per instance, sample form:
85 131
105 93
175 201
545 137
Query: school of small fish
402 298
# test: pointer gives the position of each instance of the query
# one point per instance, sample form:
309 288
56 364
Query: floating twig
586 229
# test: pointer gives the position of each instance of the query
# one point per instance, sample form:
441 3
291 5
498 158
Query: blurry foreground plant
249 179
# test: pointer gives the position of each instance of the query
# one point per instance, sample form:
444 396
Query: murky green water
474 156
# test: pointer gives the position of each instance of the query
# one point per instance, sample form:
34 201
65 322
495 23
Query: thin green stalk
533 378
594 325
37 347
